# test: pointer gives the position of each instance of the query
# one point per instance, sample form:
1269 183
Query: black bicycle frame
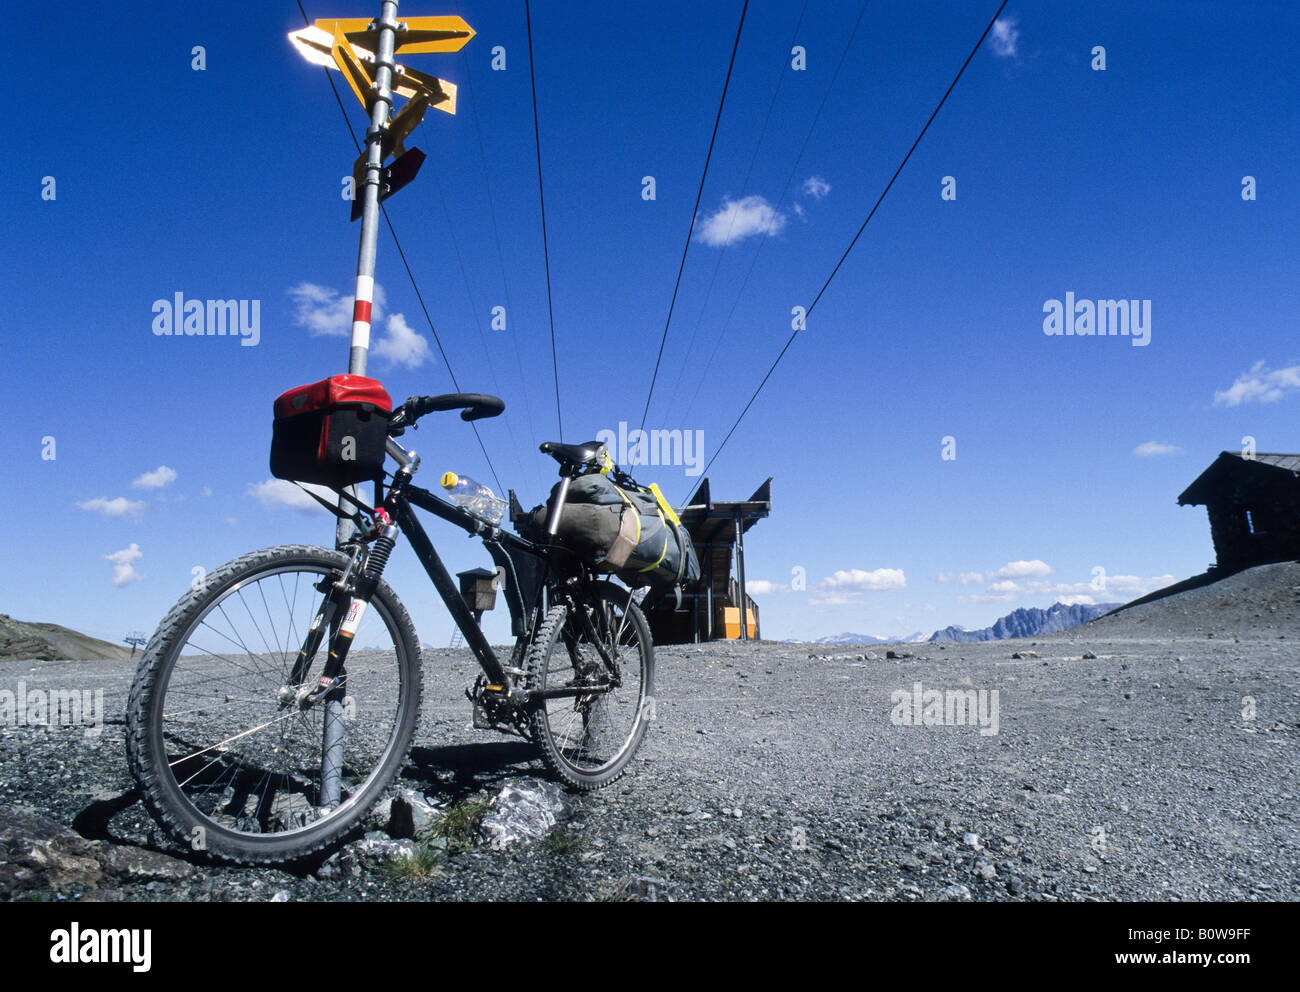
525 565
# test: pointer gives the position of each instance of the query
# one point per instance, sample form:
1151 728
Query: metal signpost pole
386 25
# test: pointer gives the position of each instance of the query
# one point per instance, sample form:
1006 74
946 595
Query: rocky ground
1130 762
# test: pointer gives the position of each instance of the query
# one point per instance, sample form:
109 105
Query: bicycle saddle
573 454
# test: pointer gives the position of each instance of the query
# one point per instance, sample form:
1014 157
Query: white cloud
1078 601
858 580
124 572
281 493
763 587
324 311
1151 449
401 345
965 578
159 477
1259 385
1004 37
1102 589
736 220
207 491
114 508
816 187
1022 570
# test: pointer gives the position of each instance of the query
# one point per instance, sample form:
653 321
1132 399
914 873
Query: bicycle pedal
484 714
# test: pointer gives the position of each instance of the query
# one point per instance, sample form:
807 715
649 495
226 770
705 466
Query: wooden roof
1234 475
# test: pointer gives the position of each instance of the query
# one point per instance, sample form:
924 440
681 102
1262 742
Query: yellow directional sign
422 34
355 73
404 122
318 47
409 83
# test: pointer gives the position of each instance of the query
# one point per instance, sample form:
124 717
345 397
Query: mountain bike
278 700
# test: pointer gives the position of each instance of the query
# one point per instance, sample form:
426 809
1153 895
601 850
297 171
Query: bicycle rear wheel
226 760
588 738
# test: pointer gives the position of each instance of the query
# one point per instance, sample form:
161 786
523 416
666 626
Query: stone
135 864
410 815
37 853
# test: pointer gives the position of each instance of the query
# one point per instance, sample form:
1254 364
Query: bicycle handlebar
474 406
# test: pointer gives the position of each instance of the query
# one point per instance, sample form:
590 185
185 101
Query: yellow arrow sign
317 47
355 73
411 84
422 34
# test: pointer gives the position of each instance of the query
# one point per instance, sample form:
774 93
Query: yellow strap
669 512
627 500
663 554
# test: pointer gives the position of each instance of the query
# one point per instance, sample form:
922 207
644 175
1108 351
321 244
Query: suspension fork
323 621
331 677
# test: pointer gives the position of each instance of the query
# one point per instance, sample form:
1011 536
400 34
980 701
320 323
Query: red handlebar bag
331 433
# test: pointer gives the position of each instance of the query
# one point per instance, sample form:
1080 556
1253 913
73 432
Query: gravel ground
1127 765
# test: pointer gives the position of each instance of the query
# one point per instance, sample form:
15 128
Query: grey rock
366 855
39 853
134 864
410 815
955 893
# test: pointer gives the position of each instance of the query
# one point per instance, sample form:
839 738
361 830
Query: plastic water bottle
474 497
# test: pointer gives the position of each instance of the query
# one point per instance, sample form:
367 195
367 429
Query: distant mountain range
847 638
1018 623
1027 623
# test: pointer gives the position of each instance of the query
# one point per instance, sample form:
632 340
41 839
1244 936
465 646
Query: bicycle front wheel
225 758
590 720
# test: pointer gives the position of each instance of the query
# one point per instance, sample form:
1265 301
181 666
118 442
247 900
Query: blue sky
1070 451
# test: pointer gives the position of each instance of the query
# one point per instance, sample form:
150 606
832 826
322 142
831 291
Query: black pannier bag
331 433
623 530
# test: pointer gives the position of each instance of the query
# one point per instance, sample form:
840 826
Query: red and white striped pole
364 297
386 26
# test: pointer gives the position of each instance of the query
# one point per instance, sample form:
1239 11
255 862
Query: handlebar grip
474 406
484 406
